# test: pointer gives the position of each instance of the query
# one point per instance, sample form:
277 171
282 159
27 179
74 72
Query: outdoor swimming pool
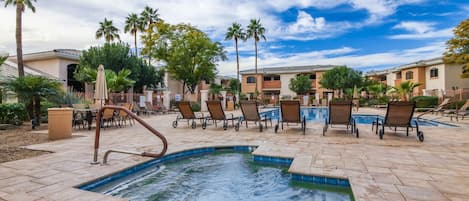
319 115
219 175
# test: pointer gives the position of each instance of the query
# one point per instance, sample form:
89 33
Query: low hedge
13 113
195 106
425 101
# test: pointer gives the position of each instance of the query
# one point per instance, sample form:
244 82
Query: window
398 75
266 79
251 79
312 76
409 75
434 73
277 77
383 78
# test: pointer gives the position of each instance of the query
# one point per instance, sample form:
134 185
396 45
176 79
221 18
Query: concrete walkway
396 168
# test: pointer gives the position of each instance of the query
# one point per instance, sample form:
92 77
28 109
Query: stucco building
274 81
436 77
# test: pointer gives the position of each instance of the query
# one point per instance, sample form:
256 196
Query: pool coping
184 154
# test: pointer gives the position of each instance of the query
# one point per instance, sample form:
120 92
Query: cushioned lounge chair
462 111
291 113
217 114
398 114
340 113
436 110
250 111
187 114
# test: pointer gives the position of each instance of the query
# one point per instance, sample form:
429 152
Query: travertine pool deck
396 168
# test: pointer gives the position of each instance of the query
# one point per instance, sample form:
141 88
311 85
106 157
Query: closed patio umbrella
100 92
355 92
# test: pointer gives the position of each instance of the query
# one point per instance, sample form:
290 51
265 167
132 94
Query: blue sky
363 34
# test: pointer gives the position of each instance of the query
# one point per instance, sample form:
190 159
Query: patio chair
340 113
186 113
462 111
217 114
291 114
398 114
109 117
439 108
149 109
250 111
123 116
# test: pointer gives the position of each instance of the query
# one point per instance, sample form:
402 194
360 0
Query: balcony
272 84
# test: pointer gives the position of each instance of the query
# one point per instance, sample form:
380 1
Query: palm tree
108 31
255 30
33 89
147 17
405 89
20 7
235 32
132 25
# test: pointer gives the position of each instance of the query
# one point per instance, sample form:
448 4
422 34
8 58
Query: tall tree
133 25
300 84
235 32
108 31
189 54
340 78
457 51
115 57
147 17
20 7
255 30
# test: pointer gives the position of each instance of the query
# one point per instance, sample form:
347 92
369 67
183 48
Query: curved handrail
139 120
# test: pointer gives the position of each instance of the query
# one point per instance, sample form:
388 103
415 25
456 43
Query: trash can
60 123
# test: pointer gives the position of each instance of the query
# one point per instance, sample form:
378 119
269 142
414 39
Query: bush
453 105
425 101
195 106
13 113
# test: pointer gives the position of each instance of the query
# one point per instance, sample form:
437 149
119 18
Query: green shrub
195 106
13 113
425 101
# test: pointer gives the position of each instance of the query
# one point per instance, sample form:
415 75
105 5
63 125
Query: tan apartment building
436 77
274 82
59 64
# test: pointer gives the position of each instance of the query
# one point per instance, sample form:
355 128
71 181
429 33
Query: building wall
284 89
453 77
418 77
390 77
49 66
251 87
436 83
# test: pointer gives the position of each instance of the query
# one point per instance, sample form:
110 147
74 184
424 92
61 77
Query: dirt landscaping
13 138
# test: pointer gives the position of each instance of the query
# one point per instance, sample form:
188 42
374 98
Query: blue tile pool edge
283 161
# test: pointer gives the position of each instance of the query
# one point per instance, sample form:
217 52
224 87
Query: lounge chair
437 109
340 113
217 114
291 114
186 113
250 111
149 109
398 114
462 111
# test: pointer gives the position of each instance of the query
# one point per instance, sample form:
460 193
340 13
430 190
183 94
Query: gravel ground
11 141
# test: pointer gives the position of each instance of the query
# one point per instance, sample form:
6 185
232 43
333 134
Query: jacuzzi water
221 176
320 114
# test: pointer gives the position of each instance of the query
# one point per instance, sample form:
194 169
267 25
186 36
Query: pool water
222 176
319 115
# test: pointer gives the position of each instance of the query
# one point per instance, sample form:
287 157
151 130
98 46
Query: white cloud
306 23
420 30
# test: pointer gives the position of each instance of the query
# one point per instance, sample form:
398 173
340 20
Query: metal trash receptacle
60 123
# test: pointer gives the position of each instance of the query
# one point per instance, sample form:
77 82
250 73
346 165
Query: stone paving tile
396 168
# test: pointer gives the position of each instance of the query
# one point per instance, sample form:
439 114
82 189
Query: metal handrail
139 120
